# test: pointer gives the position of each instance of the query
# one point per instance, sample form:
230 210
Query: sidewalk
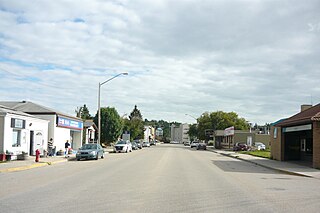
20 165
281 166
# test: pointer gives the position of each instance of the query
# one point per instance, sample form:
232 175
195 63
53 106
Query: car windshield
121 142
89 146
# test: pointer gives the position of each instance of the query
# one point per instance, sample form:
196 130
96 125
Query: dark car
90 151
139 144
240 147
134 145
202 146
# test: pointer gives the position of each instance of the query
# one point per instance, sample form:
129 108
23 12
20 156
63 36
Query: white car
187 143
194 144
123 146
260 146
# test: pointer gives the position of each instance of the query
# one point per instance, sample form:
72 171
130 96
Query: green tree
135 127
193 131
220 120
111 125
83 112
135 114
134 124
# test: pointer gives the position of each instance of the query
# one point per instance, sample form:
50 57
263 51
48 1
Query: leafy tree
83 112
135 127
134 124
193 131
111 125
219 120
135 114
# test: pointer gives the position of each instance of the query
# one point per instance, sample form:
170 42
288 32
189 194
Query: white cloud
257 58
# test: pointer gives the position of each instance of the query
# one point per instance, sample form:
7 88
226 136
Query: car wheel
78 159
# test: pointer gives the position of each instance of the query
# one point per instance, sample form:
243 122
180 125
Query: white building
149 133
90 129
22 132
61 127
180 133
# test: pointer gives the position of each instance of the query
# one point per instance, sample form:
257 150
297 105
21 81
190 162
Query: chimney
305 107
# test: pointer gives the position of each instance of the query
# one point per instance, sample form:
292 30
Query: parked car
134 145
240 147
146 144
194 144
139 144
259 146
187 143
90 151
123 146
201 146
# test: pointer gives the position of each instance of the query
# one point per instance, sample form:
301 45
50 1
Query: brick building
298 138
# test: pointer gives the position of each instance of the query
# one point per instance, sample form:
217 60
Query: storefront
232 136
298 137
61 127
21 132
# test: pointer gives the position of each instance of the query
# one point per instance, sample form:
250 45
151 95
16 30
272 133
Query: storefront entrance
298 145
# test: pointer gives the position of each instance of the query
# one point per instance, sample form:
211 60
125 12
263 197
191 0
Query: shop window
16 138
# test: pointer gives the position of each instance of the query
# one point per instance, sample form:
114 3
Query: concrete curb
34 165
267 167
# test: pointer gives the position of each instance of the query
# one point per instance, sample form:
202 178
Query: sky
260 59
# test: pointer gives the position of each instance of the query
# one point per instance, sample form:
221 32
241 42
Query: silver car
90 151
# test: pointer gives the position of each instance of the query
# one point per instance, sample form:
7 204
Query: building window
16 138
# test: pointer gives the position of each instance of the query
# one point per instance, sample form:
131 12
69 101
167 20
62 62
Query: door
31 147
38 142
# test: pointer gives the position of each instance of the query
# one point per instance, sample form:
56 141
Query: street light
192 117
99 109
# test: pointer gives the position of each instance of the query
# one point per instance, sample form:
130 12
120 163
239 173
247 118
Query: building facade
149 133
61 127
231 137
21 132
180 133
298 138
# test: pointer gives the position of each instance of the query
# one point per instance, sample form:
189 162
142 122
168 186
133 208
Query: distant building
229 137
180 133
90 129
149 133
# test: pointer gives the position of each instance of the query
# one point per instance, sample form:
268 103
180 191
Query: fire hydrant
37 155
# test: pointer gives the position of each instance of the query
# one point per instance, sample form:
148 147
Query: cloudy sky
260 59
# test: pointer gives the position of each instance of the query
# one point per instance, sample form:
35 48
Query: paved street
165 178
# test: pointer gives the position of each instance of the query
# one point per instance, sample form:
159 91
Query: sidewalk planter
60 153
23 156
8 157
2 157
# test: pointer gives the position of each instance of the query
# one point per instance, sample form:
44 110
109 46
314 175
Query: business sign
69 123
229 131
297 128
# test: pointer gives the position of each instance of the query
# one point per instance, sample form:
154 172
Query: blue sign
69 123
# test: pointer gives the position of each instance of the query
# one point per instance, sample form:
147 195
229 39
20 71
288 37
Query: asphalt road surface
165 178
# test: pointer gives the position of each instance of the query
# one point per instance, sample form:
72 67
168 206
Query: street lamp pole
99 108
192 117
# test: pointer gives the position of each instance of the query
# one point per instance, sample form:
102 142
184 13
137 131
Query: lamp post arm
110 79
